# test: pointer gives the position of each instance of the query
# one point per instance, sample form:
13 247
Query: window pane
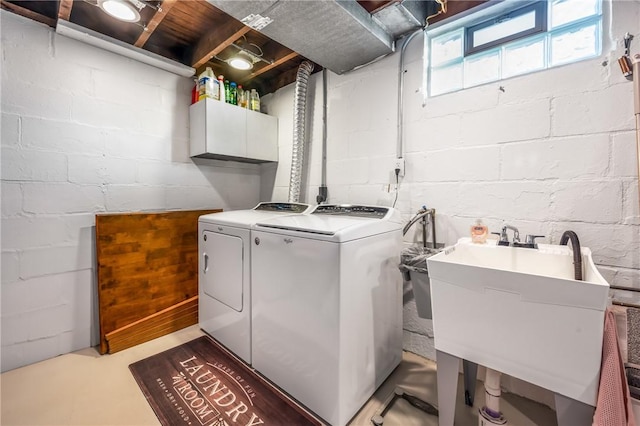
504 29
446 48
565 11
573 45
524 57
446 79
482 68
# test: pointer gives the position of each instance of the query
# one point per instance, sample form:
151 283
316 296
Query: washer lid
332 223
246 218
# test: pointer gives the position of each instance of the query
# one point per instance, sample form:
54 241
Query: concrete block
607 110
131 144
193 197
522 200
348 172
507 123
32 231
76 339
368 143
99 113
459 165
79 226
161 173
621 277
63 136
11 131
624 161
630 202
588 201
54 260
568 158
39 350
29 165
433 134
29 100
51 198
85 169
14 329
119 88
48 322
11 194
10 267
419 344
131 198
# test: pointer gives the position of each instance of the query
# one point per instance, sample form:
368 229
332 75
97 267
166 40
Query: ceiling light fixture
120 9
241 61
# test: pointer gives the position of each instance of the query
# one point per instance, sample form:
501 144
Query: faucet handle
504 239
530 240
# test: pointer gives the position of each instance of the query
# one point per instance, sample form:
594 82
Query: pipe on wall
299 118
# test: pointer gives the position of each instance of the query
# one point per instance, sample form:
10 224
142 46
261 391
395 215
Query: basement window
511 39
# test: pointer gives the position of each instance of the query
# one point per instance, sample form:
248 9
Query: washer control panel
352 210
282 207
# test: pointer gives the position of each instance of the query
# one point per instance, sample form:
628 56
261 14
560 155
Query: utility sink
520 311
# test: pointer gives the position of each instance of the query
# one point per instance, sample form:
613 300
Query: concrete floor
86 388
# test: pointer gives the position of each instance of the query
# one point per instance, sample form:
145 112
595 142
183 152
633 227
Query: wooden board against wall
147 263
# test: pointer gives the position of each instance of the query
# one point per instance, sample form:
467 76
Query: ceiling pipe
102 41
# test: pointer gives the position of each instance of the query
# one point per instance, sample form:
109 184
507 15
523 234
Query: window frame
540 8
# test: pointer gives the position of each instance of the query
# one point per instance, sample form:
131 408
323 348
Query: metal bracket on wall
399 393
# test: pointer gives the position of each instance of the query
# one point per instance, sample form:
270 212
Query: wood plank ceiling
191 32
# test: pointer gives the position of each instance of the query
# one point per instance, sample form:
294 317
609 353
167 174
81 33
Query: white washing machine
224 277
327 305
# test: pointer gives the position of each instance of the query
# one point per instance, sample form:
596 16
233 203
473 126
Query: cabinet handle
205 262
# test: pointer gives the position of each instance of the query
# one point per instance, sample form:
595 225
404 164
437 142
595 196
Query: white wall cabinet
227 132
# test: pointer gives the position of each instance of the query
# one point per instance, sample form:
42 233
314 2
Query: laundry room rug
199 384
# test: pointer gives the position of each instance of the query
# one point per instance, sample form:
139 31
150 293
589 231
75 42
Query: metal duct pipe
299 112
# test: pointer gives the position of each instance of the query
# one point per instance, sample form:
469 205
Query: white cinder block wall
85 131
546 152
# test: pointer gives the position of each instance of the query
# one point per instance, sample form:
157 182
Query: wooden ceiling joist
217 40
155 21
271 66
28 13
64 11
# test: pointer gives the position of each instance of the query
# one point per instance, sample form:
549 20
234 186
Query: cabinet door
226 133
262 136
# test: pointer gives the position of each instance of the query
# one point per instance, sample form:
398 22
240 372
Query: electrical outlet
399 165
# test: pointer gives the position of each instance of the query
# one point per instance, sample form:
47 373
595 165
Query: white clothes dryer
327 305
224 272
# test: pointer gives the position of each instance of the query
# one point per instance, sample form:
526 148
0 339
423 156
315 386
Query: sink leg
570 412
470 370
447 381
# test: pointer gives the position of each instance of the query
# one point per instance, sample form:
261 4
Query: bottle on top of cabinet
242 97
254 100
233 93
221 92
206 85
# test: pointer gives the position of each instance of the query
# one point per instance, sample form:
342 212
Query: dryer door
222 268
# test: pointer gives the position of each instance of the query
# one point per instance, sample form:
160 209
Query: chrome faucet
504 238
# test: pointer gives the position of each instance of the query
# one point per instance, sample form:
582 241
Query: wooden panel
164 322
147 262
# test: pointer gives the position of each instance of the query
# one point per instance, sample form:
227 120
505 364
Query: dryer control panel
369 212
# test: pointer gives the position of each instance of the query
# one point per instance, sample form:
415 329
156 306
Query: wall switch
399 165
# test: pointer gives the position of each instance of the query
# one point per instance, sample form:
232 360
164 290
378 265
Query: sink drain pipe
490 413
299 122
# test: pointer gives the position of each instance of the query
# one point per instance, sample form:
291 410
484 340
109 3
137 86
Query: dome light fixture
241 61
120 9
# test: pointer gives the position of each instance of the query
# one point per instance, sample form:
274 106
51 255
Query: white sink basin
519 311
